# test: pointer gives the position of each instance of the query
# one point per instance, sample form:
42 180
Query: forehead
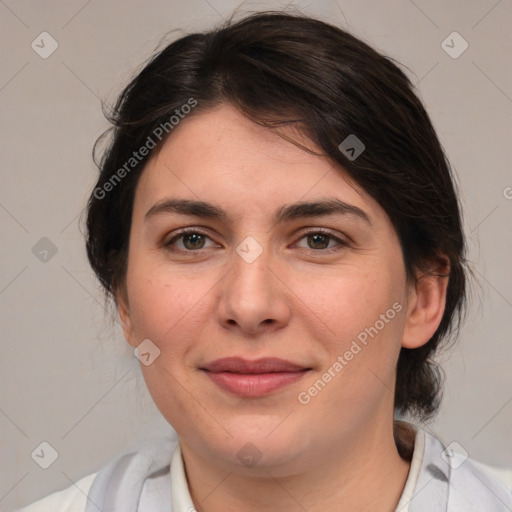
221 156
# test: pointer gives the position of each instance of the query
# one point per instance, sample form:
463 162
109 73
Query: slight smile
253 378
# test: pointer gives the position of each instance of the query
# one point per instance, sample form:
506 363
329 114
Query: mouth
256 378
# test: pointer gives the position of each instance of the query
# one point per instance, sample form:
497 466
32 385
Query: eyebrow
285 213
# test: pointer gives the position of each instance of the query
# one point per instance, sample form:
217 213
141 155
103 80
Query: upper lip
262 365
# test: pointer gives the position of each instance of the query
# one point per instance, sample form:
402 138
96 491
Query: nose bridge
251 264
251 295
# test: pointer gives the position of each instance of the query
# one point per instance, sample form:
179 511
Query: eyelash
188 231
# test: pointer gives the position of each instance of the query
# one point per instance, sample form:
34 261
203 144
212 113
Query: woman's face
261 277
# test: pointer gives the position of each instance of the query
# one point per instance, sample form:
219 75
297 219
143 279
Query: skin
296 301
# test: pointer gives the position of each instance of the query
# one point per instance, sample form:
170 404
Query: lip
253 378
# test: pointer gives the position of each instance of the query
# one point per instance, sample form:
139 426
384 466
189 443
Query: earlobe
426 305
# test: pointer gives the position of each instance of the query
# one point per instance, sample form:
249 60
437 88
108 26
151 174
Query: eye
319 239
192 240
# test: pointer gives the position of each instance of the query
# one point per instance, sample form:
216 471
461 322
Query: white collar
167 490
181 499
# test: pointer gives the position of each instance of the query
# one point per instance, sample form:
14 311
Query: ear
123 308
426 304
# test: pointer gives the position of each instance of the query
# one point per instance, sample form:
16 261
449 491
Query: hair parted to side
289 69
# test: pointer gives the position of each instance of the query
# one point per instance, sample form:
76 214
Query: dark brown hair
288 69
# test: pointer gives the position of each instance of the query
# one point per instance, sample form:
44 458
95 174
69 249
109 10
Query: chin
259 444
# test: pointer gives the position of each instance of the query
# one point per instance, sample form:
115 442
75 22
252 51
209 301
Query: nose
254 298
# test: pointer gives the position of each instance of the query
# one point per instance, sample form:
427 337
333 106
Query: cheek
165 310
161 304
343 305
364 312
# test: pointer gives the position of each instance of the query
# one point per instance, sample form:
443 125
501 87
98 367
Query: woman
277 223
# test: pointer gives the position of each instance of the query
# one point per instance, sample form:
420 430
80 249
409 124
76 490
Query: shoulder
480 487
121 482
441 478
71 499
504 475
472 486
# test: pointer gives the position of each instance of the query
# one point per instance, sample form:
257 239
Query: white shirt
154 480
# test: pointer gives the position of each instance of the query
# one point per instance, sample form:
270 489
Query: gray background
67 376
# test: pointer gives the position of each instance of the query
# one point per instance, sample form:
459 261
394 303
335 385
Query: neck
366 474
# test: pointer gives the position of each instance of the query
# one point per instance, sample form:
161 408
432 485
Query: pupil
195 238
316 239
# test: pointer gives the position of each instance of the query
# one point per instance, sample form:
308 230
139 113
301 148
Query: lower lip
254 384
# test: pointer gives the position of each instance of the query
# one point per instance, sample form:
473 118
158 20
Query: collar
181 499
